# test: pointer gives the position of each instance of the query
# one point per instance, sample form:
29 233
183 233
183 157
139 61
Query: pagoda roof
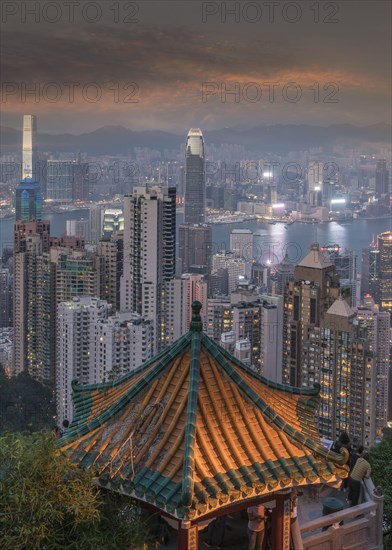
194 430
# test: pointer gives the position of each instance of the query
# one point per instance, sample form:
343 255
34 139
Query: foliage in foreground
26 405
381 462
47 503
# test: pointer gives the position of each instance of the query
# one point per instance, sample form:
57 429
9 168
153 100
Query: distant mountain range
112 140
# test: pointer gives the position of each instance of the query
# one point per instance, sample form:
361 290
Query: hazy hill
112 140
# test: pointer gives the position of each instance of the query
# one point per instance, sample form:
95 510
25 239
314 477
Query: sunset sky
168 52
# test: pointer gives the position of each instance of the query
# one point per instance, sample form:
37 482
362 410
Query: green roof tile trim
82 428
241 383
269 383
102 386
193 394
168 495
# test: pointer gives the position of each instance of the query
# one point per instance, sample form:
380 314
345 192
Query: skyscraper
31 240
382 178
28 199
306 299
195 247
110 267
113 220
149 254
336 354
5 297
241 243
28 202
384 242
195 183
182 292
29 163
59 180
315 182
377 323
76 327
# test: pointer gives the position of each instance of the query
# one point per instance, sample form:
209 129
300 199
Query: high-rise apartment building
122 343
377 324
96 220
5 297
182 292
31 240
346 267
195 247
247 327
384 243
195 177
94 347
382 178
48 271
271 337
219 318
78 228
110 260
149 255
336 355
236 267
241 243
284 272
76 325
314 288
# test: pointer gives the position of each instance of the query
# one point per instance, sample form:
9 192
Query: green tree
48 503
26 405
381 462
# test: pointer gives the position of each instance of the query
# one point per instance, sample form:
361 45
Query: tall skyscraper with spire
195 178
29 163
28 198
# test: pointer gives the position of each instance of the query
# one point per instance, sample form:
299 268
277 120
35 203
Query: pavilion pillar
281 522
188 536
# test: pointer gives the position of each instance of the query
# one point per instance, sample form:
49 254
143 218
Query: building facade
195 178
149 254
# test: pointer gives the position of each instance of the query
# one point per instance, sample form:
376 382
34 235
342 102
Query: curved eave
208 496
81 427
104 386
266 410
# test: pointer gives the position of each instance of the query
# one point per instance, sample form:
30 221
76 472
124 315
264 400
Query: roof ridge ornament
196 324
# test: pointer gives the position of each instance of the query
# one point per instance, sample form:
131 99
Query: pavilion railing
359 527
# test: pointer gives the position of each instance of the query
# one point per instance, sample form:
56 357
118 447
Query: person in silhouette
256 527
360 471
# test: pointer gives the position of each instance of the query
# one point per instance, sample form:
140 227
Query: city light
338 201
279 205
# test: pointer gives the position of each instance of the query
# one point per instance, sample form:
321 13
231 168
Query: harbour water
271 242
